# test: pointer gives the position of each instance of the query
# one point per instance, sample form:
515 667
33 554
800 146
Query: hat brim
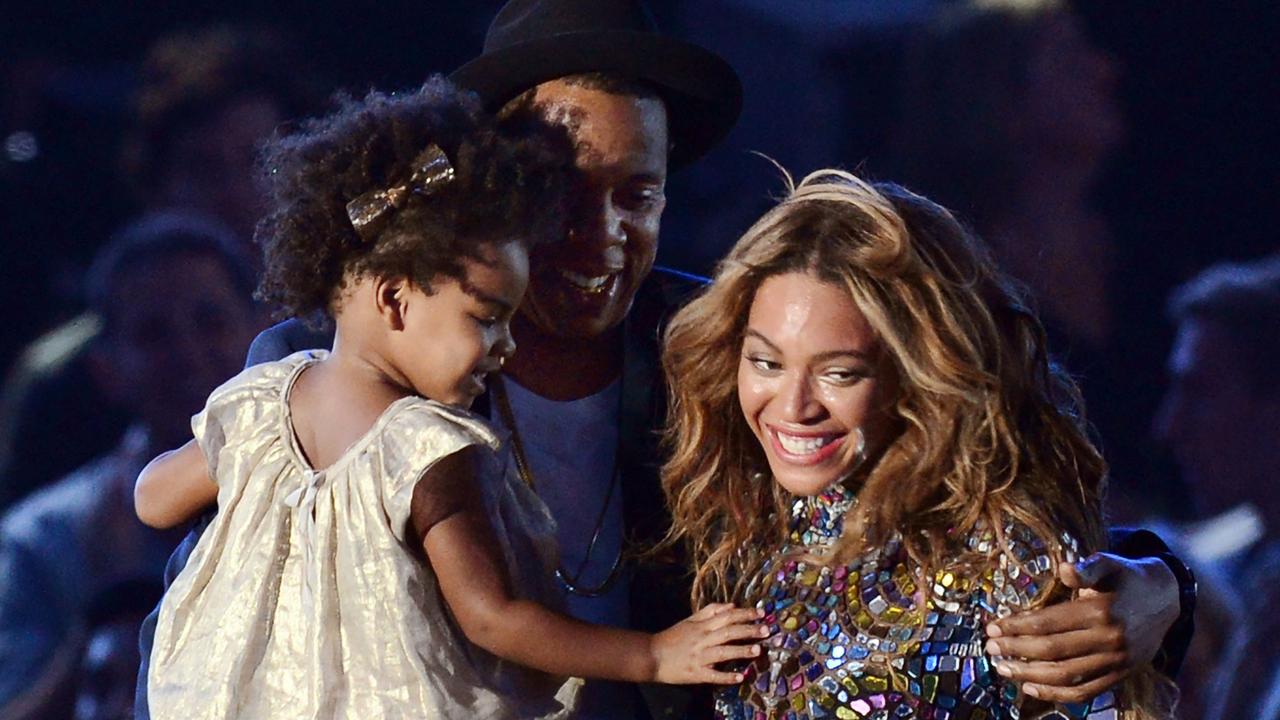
702 92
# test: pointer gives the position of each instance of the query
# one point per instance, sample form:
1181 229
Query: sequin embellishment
875 640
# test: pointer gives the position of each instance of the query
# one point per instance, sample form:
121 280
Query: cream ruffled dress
303 598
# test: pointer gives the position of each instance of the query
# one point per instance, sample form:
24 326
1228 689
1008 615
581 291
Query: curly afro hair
507 186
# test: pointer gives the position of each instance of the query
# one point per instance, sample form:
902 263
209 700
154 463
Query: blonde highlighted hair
987 428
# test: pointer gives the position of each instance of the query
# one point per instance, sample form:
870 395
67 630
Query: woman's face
810 376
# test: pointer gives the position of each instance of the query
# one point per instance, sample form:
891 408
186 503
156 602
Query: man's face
584 285
1210 419
181 329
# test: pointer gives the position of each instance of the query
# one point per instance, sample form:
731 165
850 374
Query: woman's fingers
712 610
730 617
734 633
719 677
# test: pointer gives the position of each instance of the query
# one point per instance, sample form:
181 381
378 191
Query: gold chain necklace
570 582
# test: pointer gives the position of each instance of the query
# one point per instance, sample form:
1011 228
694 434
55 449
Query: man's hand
1075 650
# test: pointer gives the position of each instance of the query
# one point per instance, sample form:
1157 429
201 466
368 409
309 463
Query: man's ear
391 296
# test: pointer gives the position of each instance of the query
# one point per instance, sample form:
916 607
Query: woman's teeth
592 284
802 445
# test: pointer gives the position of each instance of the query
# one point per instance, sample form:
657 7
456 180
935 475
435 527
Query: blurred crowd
128 284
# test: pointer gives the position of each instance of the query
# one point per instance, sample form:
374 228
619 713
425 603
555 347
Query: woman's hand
1073 651
688 651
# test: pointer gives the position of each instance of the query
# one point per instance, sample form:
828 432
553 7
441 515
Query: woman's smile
805 448
808 380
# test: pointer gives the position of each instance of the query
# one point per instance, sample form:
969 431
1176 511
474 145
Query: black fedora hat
533 41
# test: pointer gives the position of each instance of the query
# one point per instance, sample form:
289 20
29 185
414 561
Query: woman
896 464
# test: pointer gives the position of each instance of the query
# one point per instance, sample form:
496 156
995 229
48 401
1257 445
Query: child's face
461 332
809 377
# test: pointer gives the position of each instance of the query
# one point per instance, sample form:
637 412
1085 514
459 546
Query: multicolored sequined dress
873 640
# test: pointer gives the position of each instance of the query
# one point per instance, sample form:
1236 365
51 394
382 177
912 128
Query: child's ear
391 296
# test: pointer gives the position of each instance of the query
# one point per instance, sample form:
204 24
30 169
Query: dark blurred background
1110 154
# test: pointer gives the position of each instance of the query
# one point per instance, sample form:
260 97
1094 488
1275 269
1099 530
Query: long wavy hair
988 429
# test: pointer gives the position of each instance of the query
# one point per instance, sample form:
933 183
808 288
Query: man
206 100
582 399
1220 419
174 299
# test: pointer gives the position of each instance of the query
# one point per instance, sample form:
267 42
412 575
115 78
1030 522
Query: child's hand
687 652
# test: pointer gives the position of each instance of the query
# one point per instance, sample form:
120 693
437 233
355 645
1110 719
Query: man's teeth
585 282
802 445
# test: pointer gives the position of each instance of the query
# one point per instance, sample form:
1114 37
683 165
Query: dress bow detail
303 502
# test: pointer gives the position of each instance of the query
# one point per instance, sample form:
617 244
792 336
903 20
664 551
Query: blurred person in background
174 298
1008 108
109 666
1220 420
1008 115
205 102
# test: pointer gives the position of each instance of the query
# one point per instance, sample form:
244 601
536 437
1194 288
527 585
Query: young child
364 516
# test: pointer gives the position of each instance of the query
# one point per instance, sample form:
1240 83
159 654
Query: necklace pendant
568 582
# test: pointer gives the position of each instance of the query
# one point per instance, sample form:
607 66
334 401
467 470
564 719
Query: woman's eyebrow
757 335
826 355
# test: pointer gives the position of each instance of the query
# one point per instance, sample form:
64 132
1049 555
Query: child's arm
447 515
174 487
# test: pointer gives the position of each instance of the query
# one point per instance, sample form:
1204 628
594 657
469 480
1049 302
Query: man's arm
1139 543
284 339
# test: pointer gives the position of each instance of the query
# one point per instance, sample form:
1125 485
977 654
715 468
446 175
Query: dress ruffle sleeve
240 408
426 433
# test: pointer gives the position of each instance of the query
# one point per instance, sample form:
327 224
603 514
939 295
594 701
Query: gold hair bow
433 171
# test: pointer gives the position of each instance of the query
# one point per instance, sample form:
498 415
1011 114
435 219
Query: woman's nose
798 400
